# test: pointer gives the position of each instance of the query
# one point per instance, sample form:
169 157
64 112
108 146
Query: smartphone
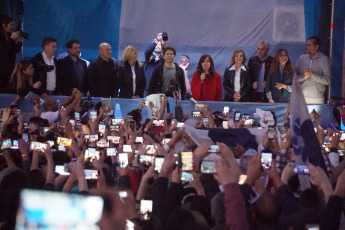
154 112
200 106
25 137
237 116
248 121
111 151
91 153
162 98
342 137
151 149
226 109
15 144
205 121
18 112
139 140
93 138
186 176
123 160
245 116
79 127
91 174
187 161
102 143
145 209
341 152
266 159
180 124
77 116
61 148
271 132
37 146
132 125
51 143
64 141
146 160
213 149
281 133
158 163
207 167
196 113
127 148
312 227
242 179
225 124
114 139
117 121
147 103
301 169
158 123
166 140
101 129
60 169
93 115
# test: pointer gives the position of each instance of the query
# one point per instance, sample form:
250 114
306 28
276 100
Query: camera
86 103
18 28
165 36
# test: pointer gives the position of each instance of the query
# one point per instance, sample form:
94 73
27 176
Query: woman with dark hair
236 81
22 80
279 78
8 49
206 83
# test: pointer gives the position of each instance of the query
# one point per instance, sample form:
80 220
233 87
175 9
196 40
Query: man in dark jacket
102 74
259 67
73 70
168 77
46 69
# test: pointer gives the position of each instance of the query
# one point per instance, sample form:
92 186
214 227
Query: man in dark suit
73 70
46 70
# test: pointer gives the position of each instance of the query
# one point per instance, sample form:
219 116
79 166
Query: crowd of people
212 170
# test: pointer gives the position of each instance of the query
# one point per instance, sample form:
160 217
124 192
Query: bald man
102 74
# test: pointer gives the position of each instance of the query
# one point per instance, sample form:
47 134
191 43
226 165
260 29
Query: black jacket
229 85
69 79
254 66
157 83
102 78
38 64
125 77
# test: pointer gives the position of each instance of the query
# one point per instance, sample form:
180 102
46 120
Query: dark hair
5 19
47 41
316 40
169 48
182 60
199 69
70 43
275 64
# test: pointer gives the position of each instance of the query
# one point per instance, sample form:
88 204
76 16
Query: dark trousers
259 97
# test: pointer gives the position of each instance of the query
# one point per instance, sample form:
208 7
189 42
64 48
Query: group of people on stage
263 79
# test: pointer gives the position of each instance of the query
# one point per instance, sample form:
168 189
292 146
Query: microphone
203 71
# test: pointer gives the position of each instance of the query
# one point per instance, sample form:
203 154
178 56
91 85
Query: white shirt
134 77
51 76
237 83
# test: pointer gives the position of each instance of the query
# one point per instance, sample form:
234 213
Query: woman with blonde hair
236 81
131 74
22 80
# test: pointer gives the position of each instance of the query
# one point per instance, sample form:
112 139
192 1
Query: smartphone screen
225 124
64 141
271 132
6 144
187 161
166 140
266 159
151 149
245 116
237 116
93 115
139 140
186 176
342 137
146 160
123 160
248 122
117 121
72 121
158 163
145 209
158 123
281 133
91 174
91 153
102 143
207 167
127 148
60 169
226 110
301 169
242 179
205 121
196 113
101 129
114 139
213 149
199 106
111 151
61 148
25 137
51 143
180 124
77 116
38 146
